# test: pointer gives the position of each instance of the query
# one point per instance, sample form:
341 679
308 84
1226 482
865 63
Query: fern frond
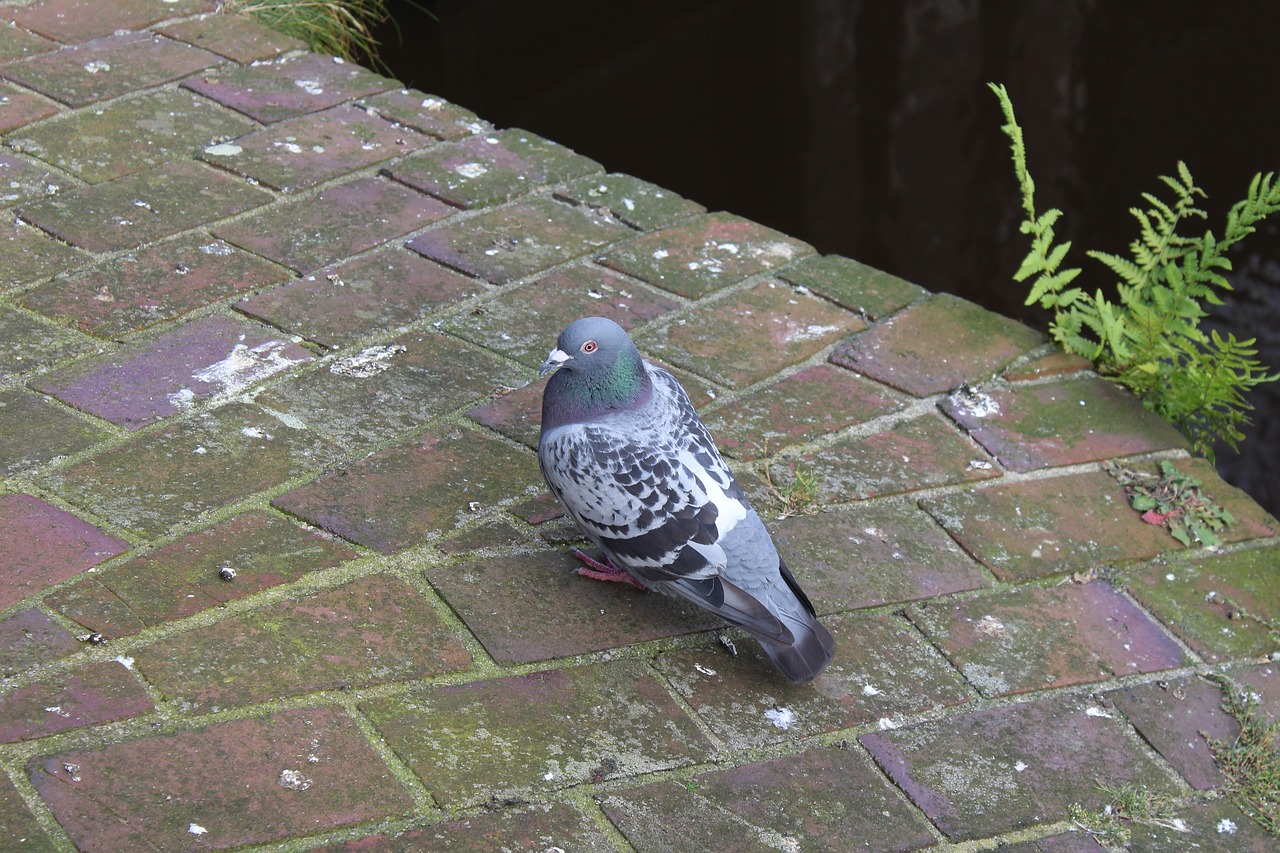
1151 341
1126 269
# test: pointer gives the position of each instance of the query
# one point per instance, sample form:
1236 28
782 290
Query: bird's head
591 347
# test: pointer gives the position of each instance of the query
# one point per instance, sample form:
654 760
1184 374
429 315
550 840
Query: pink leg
603 569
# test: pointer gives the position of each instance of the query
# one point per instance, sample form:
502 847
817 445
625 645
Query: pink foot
603 571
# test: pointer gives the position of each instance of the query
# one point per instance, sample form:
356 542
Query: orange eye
589 347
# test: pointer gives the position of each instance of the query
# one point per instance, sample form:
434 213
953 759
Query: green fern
1151 341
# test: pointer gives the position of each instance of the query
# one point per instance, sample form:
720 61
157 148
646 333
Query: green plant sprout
1151 341
1251 762
1175 501
1125 805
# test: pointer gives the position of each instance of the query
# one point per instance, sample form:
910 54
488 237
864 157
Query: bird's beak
554 360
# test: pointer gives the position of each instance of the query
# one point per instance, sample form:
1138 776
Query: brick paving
279 570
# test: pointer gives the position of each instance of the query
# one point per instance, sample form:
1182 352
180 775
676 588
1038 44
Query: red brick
370 631
937 345
1002 769
94 694
182 578
1031 639
243 782
46 545
525 735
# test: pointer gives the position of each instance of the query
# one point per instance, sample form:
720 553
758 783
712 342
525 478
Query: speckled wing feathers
658 499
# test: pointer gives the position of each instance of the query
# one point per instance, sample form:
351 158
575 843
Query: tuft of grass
1175 501
1125 805
1251 762
336 27
798 498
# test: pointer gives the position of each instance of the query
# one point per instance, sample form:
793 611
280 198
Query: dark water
865 127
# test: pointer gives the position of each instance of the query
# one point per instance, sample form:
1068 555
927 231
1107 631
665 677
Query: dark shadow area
865 126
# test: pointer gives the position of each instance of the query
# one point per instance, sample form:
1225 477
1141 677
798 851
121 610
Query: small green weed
798 498
1125 805
1175 501
1251 762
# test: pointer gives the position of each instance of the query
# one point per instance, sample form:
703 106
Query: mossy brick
495 595
47 545
1081 419
292 85
816 401
34 430
1262 684
73 21
18 43
22 179
28 638
1072 841
403 494
523 322
936 345
1054 363
171 475
538 509
1214 825
108 67
130 134
149 285
237 37
310 233
424 113
28 255
143 207
882 670
1177 717
1050 526
307 150
181 578
1220 604
873 553
239 782
491 168
705 253
518 239
162 375
996 770
669 815
391 388
517 415
870 292
539 826
746 337
19 825
19 108
338 305
88 696
370 631
826 798
492 533
1032 639
630 200
523 736
917 453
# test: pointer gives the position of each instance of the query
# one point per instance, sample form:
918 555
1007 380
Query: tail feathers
805 658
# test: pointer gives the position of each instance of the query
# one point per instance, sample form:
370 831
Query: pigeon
624 451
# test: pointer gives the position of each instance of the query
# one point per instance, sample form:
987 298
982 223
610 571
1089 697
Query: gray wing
649 507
